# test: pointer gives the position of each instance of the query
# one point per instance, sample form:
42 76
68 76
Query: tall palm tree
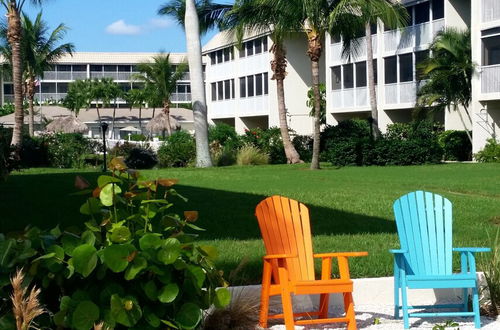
393 15
40 49
449 72
96 92
136 98
14 36
162 76
111 91
260 16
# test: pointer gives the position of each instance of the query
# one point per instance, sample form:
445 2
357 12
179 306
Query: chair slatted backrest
285 229
424 222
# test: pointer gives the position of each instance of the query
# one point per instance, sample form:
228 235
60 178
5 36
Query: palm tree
136 98
111 91
14 36
96 92
449 73
40 50
75 99
162 76
393 15
259 16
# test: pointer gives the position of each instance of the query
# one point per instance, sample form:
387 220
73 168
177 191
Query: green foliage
251 155
5 137
490 153
350 143
490 264
69 150
133 264
121 150
222 155
456 145
179 150
138 137
7 109
141 158
268 141
225 135
322 102
34 152
446 325
304 146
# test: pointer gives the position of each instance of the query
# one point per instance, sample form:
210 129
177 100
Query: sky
115 25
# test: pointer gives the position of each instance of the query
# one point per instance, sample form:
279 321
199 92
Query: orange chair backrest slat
285 228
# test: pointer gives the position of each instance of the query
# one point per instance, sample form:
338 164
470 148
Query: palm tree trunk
191 25
31 101
98 113
112 133
314 52
463 122
14 35
278 66
140 118
166 110
371 83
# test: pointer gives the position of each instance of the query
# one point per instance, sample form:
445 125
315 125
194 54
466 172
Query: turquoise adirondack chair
424 222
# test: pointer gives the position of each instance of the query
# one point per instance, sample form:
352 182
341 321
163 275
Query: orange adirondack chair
289 265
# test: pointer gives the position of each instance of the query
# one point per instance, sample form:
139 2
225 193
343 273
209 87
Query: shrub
121 150
222 155
133 265
141 158
34 152
304 146
268 141
490 153
7 109
225 135
5 136
69 150
251 155
138 137
178 150
456 145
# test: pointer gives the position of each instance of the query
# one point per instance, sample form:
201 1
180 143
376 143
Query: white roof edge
225 38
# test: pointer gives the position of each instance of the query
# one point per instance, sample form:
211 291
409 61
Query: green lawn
351 208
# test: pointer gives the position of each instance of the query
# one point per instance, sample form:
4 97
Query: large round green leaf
84 259
135 268
150 290
116 256
91 206
168 293
150 241
170 251
188 316
120 235
197 274
85 315
222 297
103 180
107 194
151 318
125 311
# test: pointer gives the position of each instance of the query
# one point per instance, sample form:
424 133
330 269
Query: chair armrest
279 256
398 251
340 254
472 249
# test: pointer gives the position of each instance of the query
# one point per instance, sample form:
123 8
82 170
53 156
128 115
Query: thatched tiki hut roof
160 123
67 124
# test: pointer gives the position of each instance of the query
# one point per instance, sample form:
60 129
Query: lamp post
104 128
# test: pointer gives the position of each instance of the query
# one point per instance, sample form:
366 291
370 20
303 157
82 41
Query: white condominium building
239 85
485 31
85 65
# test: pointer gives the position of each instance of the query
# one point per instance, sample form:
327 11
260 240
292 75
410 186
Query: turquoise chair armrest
398 251
472 249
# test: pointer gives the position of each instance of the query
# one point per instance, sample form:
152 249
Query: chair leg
404 298
396 297
264 295
286 299
465 299
475 308
324 300
349 311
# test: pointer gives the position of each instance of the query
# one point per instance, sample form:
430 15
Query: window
422 11
266 83
242 51
181 89
335 38
249 48
110 68
258 46
219 56
233 94
124 86
79 68
264 44
336 78
123 68
220 91
227 89
96 68
491 50
8 89
258 84
420 57
361 74
391 69
375 71
410 11
348 76
62 87
243 87
437 9
373 28
250 85
64 68
406 67
226 55
48 87
213 58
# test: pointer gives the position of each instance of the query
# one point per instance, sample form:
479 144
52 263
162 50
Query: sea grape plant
134 264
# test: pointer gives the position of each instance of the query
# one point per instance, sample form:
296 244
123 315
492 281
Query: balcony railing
40 97
490 10
64 75
350 98
401 93
412 36
177 97
490 79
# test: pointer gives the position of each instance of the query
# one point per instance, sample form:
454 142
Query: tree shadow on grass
46 200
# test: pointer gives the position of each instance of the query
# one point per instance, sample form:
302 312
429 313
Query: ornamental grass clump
25 306
490 265
250 155
133 264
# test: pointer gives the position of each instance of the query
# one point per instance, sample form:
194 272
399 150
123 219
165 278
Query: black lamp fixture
104 128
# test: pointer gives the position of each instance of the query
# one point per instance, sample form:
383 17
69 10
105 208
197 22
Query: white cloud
160 23
120 27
